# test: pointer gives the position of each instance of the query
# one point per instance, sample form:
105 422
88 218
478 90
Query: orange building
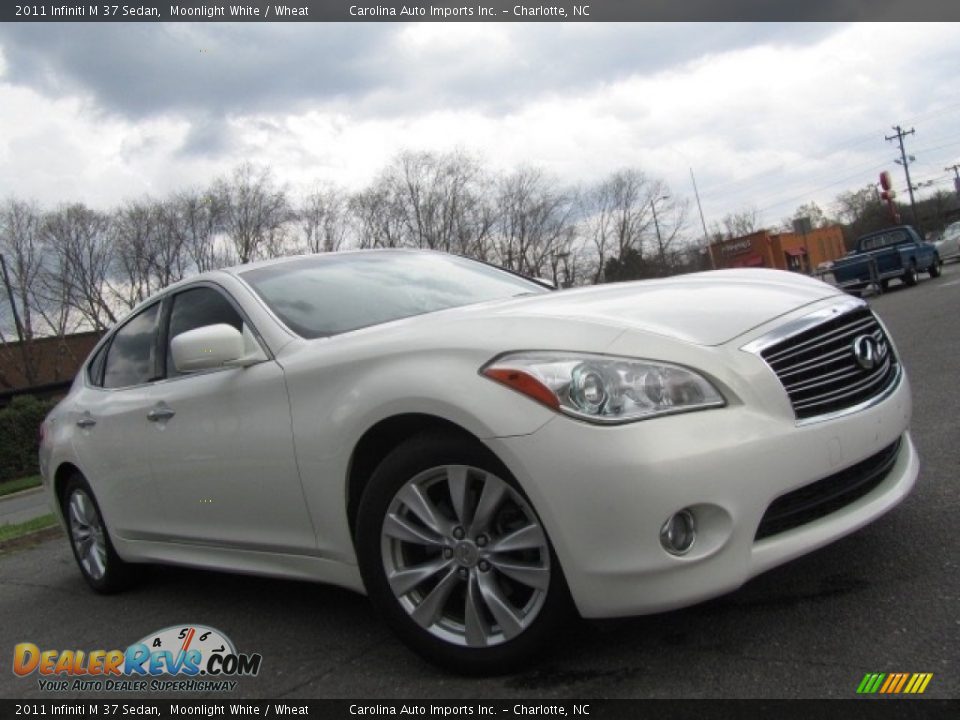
799 252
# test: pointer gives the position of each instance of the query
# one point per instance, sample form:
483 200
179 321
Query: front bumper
603 493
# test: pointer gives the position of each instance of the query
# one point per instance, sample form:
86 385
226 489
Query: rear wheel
936 267
910 276
455 558
99 563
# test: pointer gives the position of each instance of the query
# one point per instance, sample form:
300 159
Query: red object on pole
888 194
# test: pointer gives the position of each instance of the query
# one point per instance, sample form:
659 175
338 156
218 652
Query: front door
222 446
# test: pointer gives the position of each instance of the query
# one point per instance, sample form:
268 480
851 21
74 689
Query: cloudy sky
769 116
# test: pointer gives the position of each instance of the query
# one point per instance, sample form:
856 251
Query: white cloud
771 124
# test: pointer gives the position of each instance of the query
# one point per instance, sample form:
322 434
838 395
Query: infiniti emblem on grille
868 352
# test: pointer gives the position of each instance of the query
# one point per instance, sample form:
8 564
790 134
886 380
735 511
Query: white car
948 244
478 454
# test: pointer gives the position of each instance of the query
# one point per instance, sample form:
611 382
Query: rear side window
882 240
196 308
130 359
95 368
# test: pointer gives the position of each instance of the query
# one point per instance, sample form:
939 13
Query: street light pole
703 222
656 225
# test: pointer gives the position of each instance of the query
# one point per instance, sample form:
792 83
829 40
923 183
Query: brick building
54 361
784 251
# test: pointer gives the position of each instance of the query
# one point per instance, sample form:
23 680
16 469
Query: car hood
708 308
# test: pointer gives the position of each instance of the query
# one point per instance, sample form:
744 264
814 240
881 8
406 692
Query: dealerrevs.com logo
180 658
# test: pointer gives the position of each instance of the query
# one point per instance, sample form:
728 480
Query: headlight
604 388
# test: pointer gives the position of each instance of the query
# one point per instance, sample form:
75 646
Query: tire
432 566
936 267
910 276
90 541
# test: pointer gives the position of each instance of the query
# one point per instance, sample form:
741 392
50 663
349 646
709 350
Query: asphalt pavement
886 599
23 506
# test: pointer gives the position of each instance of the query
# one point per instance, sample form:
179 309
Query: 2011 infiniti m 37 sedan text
481 456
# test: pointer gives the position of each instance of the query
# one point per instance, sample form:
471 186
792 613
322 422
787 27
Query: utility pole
13 304
901 133
956 176
25 353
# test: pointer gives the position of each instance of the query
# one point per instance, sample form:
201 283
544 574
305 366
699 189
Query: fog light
678 533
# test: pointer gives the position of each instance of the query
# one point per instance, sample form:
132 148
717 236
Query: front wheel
99 563
455 558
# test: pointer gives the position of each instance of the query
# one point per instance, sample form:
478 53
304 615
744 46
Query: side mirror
212 346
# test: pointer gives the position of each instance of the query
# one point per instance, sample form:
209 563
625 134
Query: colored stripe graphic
892 679
894 683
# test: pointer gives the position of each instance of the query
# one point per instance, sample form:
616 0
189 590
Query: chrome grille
834 365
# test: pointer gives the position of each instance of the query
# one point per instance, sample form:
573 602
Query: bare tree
22 259
616 215
80 252
379 222
742 222
427 200
322 220
193 220
146 257
439 198
861 211
534 222
813 212
254 211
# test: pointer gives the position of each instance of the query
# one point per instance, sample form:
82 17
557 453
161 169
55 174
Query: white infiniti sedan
479 455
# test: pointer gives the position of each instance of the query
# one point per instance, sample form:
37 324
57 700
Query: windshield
324 295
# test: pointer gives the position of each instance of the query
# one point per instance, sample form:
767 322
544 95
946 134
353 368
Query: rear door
221 443
111 441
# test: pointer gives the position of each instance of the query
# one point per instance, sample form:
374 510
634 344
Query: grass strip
18 530
8 487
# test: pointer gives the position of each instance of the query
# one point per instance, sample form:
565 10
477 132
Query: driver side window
196 308
130 357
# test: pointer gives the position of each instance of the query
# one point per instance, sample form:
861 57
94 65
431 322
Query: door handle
86 422
160 413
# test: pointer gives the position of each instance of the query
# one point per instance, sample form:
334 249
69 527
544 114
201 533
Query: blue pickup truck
893 253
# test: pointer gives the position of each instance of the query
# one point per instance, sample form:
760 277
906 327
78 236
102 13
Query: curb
31 538
21 493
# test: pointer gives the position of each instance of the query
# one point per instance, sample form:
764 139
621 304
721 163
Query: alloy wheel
87 534
465 556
